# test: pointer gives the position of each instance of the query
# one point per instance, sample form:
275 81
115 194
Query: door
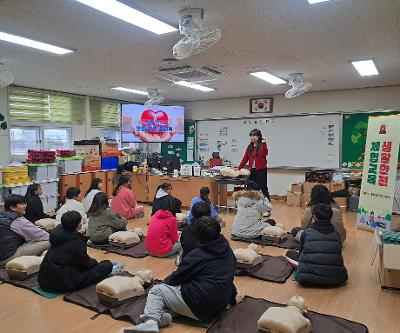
111 180
84 181
67 181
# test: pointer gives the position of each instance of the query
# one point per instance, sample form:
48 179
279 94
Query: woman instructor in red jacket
256 154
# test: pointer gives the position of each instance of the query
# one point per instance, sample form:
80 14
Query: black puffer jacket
67 266
164 201
206 278
321 261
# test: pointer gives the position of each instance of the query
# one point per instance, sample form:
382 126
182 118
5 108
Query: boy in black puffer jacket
201 288
67 266
321 261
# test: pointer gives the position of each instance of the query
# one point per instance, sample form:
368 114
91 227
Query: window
112 134
56 138
24 138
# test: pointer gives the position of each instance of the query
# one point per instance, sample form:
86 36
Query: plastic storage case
109 163
70 165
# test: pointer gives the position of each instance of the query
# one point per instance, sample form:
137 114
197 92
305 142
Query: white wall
279 180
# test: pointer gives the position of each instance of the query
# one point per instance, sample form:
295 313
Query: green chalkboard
354 134
184 150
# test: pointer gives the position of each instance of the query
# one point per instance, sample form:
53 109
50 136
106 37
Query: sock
165 319
150 326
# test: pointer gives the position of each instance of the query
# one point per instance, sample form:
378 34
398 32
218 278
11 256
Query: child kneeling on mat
201 288
67 266
320 260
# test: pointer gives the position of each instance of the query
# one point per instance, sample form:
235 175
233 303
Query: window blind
36 105
28 105
67 109
104 113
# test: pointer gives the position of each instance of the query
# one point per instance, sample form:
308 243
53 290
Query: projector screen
141 123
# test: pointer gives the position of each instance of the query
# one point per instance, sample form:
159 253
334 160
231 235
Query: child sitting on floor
251 204
164 200
102 220
66 265
162 238
320 260
18 236
320 194
201 288
123 200
95 187
72 202
34 205
188 238
204 193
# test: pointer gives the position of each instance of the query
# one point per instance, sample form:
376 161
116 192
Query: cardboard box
334 187
87 150
109 149
305 198
388 263
298 188
307 187
92 161
293 199
341 201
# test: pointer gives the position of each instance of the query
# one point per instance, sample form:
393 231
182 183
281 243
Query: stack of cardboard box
90 151
300 193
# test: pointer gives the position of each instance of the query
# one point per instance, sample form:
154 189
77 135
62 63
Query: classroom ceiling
281 37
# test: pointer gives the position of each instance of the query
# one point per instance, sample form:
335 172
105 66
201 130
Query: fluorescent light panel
365 67
32 43
268 77
129 90
311 2
194 86
130 15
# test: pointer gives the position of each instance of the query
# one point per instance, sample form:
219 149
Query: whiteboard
309 141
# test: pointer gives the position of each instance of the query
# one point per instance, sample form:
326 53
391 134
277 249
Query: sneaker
178 258
267 214
118 268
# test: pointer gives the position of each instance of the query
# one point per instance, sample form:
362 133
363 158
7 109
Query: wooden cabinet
103 176
139 187
67 181
111 182
84 181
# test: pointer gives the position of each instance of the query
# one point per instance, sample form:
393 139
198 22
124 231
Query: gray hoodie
250 207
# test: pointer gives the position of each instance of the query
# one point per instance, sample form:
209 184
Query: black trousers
260 177
97 273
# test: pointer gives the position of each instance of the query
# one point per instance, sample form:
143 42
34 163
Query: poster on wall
354 129
183 150
3 124
379 173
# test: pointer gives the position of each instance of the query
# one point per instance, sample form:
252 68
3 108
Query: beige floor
360 300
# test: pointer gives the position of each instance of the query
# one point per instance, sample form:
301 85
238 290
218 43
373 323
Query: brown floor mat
289 243
272 268
243 317
128 311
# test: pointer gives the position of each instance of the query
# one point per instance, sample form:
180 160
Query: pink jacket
162 233
125 203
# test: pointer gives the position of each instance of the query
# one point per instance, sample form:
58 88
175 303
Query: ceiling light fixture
130 15
365 67
311 2
129 90
194 86
33 44
268 77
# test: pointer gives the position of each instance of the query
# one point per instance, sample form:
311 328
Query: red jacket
162 233
260 159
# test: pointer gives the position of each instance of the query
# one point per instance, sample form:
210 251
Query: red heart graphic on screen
154 120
